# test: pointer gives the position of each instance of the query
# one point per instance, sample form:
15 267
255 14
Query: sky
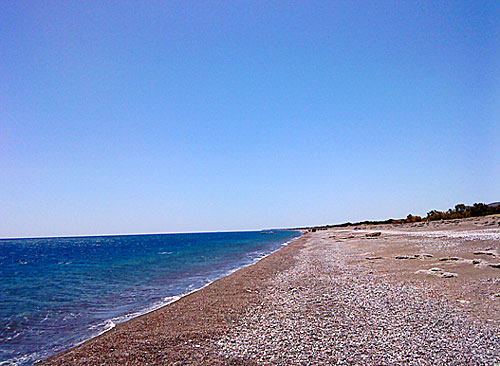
180 116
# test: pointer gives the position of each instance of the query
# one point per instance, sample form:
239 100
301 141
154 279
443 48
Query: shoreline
406 295
177 298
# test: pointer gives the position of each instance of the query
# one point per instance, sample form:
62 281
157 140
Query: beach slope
412 294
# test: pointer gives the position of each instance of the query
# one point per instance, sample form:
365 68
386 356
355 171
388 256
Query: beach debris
373 258
404 257
444 259
492 253
436 272
374 234
448 274
494 265
423 255
424 271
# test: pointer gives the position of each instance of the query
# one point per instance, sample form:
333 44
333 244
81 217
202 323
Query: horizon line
132 234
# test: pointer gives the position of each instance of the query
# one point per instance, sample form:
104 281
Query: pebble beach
424 293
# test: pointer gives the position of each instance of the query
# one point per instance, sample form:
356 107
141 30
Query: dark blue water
58 292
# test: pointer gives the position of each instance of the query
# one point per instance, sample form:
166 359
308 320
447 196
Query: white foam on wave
107 325
20 360
290 241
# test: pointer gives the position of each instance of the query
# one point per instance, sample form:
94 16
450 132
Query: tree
432 213
479 209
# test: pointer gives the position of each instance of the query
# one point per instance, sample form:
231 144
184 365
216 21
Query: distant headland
459 212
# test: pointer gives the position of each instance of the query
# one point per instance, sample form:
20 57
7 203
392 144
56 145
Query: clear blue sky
143 116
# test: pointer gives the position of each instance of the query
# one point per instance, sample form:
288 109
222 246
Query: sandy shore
417 294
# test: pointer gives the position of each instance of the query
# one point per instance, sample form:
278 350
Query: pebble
341 315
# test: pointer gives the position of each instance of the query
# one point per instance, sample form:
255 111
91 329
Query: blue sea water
57 292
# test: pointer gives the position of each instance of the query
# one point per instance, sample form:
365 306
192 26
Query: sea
56 293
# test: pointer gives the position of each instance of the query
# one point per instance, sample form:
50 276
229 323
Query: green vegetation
462 211
459 212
